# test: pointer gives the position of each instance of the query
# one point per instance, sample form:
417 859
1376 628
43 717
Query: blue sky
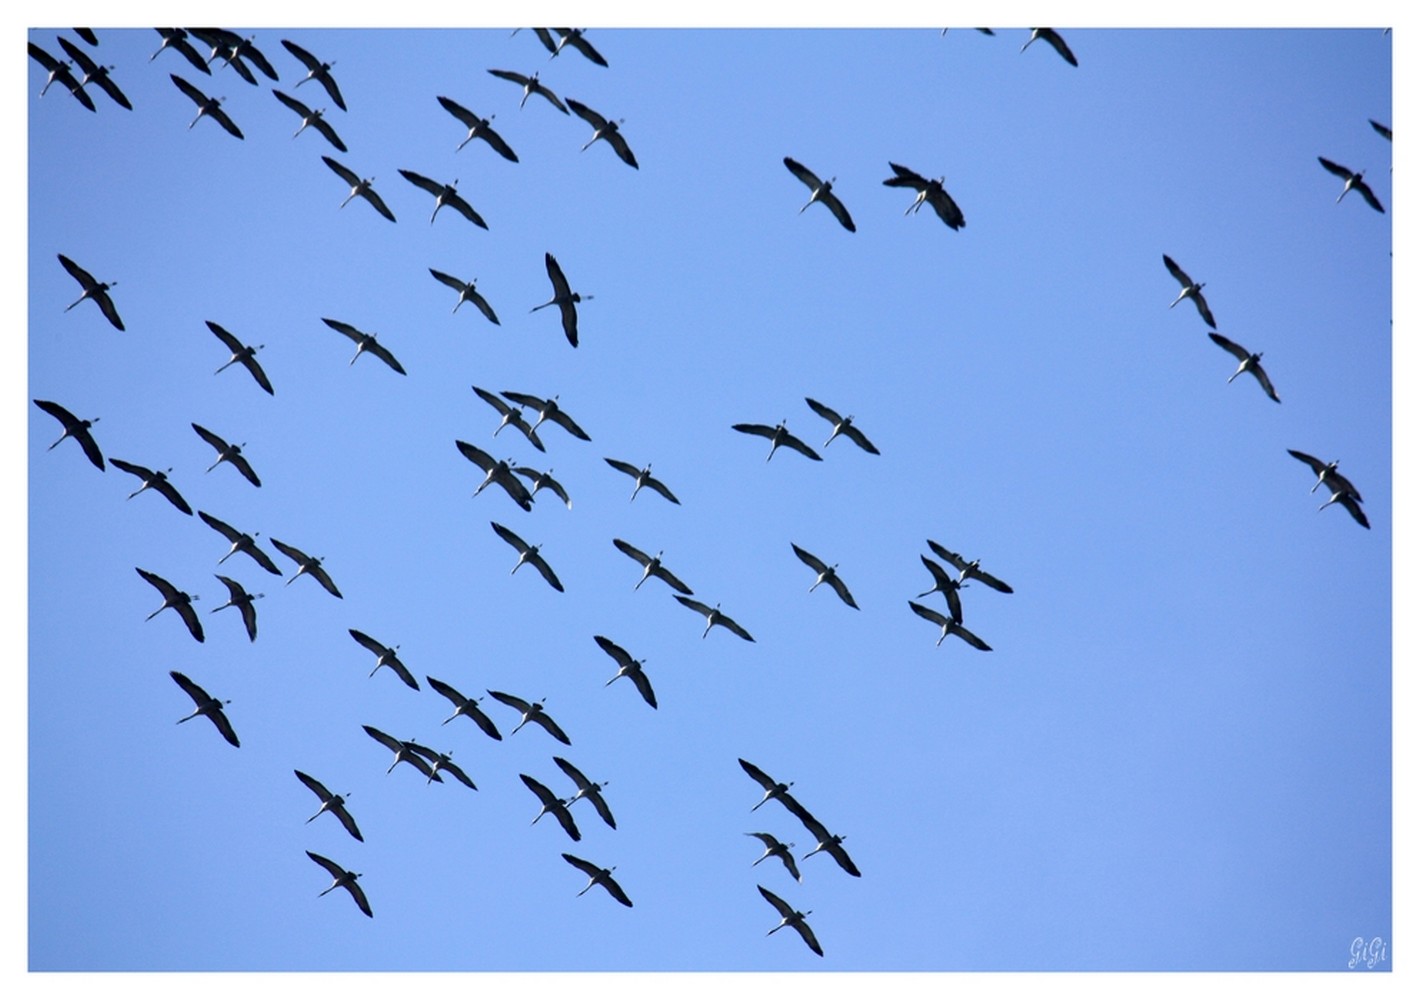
1177 754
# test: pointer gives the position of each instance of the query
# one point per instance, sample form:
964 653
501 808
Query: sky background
1177 755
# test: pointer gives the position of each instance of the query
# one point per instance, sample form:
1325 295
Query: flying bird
316 70
467 293
1191 290
343 880
209 106
60 71
586 789
547 409
1248 362
790 917
930 192
948 585
1051 36
442 762
467 707
528 554
233 49
841 425
500 472
176 39
241 542
543 480
532 712
778 435
94 290
240 599
969 570
243 353
552 804
75 428
444 194
1354 182
575 38
364 342
1326 474
230 453
307 564
775 848
208 706
152 480
772 789
175 599
385 656
1348 500
949 626
826 841
359 186
563 298
311 119
478 128
511 417
714 616
403 752
652 567
628 667
333 804
822 191
643 477
826 574
604 128
598 876
530 86
94 72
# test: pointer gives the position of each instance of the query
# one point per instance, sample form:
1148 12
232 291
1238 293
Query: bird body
949 626
822 192
240 599
307 564
552 804
627 667
364 342
467 707
1326 473
778 435
826 574
1191 290
178 600
231 453
316 70
333 804
643 477
359 187
467 293
530 86
969 570
790 917
499 472
206 705
1354 182
1248 362
343 880
1051 37
528 554
75 428
774 848
930 192
772 789
532 712
152 479
403 752
604 128
243 353
586 789
825 841
652 567
209 106
478 128
241 542
444 194
385 656
598 876
94 289
841 425
563 298
714 616
511 416
311 119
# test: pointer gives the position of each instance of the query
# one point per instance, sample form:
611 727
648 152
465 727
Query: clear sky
1177 754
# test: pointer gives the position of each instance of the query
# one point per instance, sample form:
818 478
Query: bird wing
1383 130
575 39
632 551
347 821
326 129
839 211
342 171
564 816
220 526
383 353
358 894
1203 310
621 656
947 554
214 440
785 910
385 738
336 871
198 97
292 103
498 143
903 177
560 287
457 203
1058 43
1266 383
733 626
510 537
291 552
561 419
827 412
545 721
809 559
572 771
244 467
803 173
398 667
323 578
586 867
1349 501
860 439
311 62
131 468
539 789
512 701
841 589
174 497
1316 464
1236 350
250 51
542 89
254 366
661 488
69 420
759 430
568 309
315 786
674 581
345 328
547 574
946 208
419 180
643 685
693 605
619 466
458 772
224 726
189 617
970 637
469 119
1178 273
765 781
248 617
807 934
506 74
1335 168
199 696
476 455
493 401
221 117
799 446
586 114
935 617
1359 185
448 692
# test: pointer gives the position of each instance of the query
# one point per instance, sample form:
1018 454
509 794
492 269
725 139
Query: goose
530 86
385 656
343 879
1052 37
359 186
643 477
403 752
316 70
826 574
950 626
239 598
575 38
586 789
333 804
467 293
176 39
714 616
826 841
772 789
311 119
94 289
177 600
790 917
94 72
364 342
547 409
60 71
442 762
500 472
930 192
1248 362
241 542
75 428
243 353
532 712
467 707
778 435
774 848
604 128
1191 290
209 106
444 194
822 191
552 804
652 566
543 480
627 667
969 570
152 480
563 298
208 706
307 564
510 416
528 554
841 425
946 583
1354 182
598 875
231 453
478 128
1326 474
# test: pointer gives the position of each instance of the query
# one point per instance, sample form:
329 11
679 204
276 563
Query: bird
1051 36
950 626
442 762
552 804
1348 500
206 705
403 752
243 353
1248 363
310 118
643 477
1191 290
714 616
790 917
598 876
652 567
772 789
385 656
500 472
628 668
575 38
333 804
316 70
364 342
543 480
209 106
510 416
241 542
532 712
969 570
530 86
775 848
231 453
949 586
176 39
478 128
444 194
604 128
1382 130
1326 474
93 289
343 879
177 600
94 72
307 564
563 298
467 707
1354 182
826 574
930 192
547 409
233 48
359 186
528 554
587 789
778 435
826 841
239 598
822 191
75 428
152 480
467 293
60 71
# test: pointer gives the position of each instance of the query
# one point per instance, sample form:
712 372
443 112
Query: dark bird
643 477
403 752
532 712
385 656
316 70
1248 363
604 128
75 428
778 435
1353 182
467 707
511 417
772 789
714 616
586 789
1326 474
826 574
1191 290
528 554
790 917
442 762
230 453
969 570
652 567
563 298
60 71
1056 42
841 425
822 191
310 118
333 804
552 804
209 106
176 39
444 194
233 49
478 128
547 409
930 192
306 564
244 353
775 848
359 186
575 38
948 585
364 342
530 86
175 599
467 293
95 73
543 480
1382 130
1348 500
152 480
206 705
240 599
598 876
499 472
949 626
826 841
241 542
628 668
93 289
343 879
